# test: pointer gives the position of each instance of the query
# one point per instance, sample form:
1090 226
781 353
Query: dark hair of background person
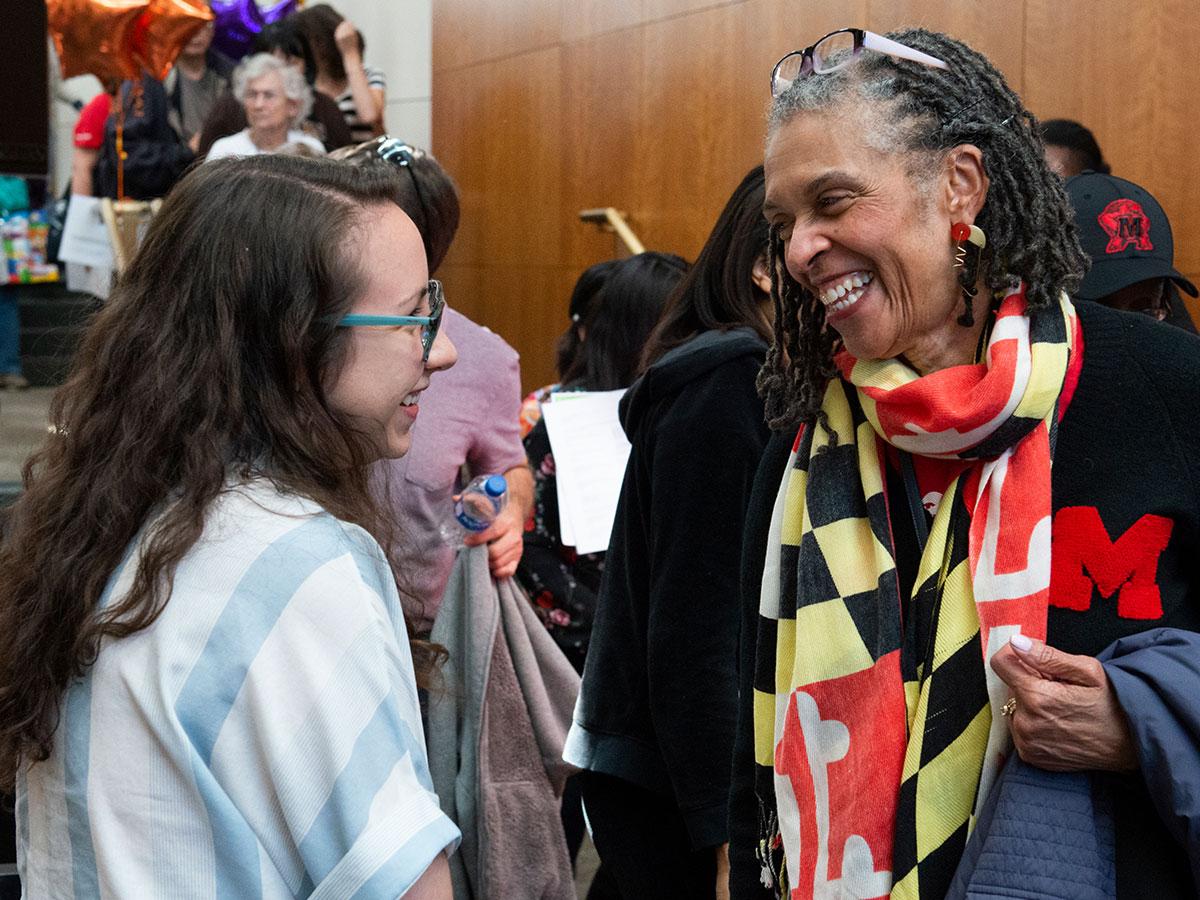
718 293
285 36
586 289
210 359
925 112
424 190
1077 139
620 319
318 23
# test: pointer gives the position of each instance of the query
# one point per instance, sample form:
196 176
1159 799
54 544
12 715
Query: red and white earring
970 240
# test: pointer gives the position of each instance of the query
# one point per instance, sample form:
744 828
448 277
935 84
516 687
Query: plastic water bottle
476 508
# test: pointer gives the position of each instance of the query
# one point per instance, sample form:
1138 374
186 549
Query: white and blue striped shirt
261 739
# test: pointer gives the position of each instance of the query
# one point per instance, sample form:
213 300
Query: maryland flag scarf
877 727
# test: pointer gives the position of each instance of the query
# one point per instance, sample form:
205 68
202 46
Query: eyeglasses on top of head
430 324
395 151
835 50
398 153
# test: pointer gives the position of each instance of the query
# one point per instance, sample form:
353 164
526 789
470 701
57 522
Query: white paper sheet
85 237
590 451
86 248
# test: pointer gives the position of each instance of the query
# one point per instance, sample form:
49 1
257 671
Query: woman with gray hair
970 554
277 99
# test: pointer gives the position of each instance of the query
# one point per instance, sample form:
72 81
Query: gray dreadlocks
1027 217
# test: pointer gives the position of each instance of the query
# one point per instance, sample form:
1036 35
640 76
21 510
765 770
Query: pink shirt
469 414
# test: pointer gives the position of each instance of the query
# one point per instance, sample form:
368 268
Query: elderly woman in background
276 99
930 590
285 42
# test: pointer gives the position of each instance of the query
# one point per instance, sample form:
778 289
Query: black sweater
659 697
1125 482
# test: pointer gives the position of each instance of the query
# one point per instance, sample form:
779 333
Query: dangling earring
971 240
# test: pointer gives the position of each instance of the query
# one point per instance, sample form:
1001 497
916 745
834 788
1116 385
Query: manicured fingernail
1020 642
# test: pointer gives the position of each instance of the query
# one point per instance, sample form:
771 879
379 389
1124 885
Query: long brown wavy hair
209 361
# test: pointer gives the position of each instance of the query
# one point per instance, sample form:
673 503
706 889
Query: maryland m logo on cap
1126 225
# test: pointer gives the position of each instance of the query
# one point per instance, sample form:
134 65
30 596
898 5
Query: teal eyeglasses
430 324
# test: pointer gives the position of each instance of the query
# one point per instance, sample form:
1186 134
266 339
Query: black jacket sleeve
706 449
744 867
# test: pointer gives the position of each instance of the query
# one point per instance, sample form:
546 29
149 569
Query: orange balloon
96 37
164 30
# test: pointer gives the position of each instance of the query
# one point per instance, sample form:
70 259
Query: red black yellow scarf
880 741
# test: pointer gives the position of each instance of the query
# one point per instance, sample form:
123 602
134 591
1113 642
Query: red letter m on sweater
1082 548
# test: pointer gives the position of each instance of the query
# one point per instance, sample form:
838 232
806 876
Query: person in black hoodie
611 327
655 720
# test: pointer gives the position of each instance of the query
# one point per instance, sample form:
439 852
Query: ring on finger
1009 707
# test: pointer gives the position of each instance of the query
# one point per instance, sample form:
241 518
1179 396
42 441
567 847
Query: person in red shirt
89 137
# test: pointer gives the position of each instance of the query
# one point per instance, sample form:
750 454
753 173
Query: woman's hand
345 36
1067 718
369 102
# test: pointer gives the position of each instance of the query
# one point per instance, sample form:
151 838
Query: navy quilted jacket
1050 835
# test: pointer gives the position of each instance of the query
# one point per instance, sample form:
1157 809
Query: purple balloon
235 23
278 11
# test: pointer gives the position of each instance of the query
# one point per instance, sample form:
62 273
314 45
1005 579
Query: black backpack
155 156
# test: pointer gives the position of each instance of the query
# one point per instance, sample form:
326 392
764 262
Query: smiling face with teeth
867 231
379 384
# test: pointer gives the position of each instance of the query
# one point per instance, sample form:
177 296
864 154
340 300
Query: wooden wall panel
995 28
461 147
587 18
526 305
522 168
694 153
653 10
601 129
457 38
464 288
545 107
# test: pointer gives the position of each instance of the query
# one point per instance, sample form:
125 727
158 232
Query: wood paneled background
542 108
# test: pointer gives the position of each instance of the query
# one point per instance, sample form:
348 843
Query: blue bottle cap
495 485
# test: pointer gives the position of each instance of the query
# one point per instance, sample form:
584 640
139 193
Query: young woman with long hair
570 342
338 49
655 722
207 687
613 309
613 326
471 420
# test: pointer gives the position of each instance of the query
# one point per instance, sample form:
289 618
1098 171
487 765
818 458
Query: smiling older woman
968 516
277 100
